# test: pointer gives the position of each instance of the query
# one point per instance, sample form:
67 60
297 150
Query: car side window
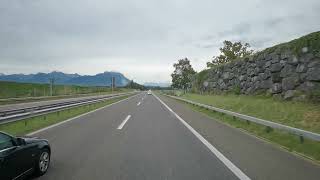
5 141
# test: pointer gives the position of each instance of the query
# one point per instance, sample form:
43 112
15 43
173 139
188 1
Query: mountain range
153 84
101 79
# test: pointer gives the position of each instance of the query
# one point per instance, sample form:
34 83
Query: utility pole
34 92
113 84
51 86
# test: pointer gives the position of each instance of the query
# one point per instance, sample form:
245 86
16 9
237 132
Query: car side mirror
20 142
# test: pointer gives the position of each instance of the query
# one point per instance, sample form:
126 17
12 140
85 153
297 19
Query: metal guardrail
50 97
299 132
21 113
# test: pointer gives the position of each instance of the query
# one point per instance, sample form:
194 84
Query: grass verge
308 148
303 115
34 123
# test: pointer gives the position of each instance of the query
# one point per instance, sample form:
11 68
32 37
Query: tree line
184 73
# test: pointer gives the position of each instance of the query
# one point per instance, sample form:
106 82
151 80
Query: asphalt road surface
142 138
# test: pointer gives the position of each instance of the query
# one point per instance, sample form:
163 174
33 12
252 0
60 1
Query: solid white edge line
68 120
124 122
215 151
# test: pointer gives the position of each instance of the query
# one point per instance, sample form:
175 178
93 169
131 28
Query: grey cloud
86 36
237 30
208 44
274 22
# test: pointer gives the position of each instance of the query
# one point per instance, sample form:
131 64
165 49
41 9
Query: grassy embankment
35 92
32 124
301 115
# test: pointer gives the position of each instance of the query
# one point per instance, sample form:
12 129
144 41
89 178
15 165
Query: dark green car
23 156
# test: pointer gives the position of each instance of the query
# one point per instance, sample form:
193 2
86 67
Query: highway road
143 138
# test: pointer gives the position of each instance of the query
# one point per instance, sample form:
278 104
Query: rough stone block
242 78
289 94
288 70
276 67
275 58
267 64
226 75
290 83
255 79
275 77
266 84
265 75
313 74
306 86
305 58
301 68
276 88
315 63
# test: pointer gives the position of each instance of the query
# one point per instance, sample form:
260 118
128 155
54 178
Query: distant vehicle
149 92
23 156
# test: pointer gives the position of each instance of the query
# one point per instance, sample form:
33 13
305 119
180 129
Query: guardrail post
301 139
26 121
268 129
248 122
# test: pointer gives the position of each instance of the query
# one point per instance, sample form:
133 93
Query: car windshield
5 141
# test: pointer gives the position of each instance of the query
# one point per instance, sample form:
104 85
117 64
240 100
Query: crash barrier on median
44 97
299 132
21 113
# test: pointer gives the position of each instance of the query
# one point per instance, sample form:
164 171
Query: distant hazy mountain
39 77
101 79
152 84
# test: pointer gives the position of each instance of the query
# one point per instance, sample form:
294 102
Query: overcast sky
142 38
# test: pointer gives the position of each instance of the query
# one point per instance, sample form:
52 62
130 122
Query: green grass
302 115
31 124
312 41
298 114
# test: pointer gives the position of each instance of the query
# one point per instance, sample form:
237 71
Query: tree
182 75
134 85
230 52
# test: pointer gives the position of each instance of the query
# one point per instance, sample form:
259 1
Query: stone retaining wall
280 72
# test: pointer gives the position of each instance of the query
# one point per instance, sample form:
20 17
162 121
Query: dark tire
43 162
